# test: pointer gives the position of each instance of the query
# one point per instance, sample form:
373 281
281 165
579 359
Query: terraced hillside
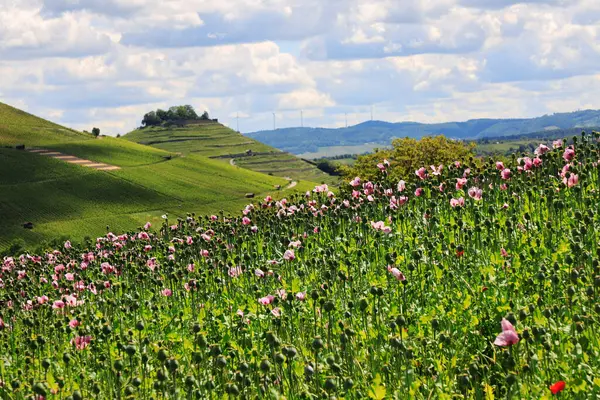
216 141
63 199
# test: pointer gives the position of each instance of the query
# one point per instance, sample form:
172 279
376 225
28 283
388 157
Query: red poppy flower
557 387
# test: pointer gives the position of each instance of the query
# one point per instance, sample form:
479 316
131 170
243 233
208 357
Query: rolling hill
214 140
69 200
372 134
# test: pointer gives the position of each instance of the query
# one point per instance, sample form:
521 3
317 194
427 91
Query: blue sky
104 63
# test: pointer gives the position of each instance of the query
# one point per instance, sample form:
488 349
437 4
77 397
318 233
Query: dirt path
74 160
292 183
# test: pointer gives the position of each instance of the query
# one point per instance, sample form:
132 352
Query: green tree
96 131
151 119
205 116
408 155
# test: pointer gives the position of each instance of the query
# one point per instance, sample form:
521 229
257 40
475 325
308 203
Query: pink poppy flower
259 273
419 192
295 244
355 182
541 149
281 293
499 165
74 323
81 342
438 170
571 181
68 245
396 273
234 272
475 193
301 296
58 304
421 173
276 312
460 182
147 225
460 202
569 154
557 144
401 186
381 167
537 162
69 276
246 221
503 252
509 336
505 174
254 229
166 292
266 300
289 255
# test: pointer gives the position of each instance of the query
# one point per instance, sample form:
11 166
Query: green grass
218 141
19 127
67 200
113 151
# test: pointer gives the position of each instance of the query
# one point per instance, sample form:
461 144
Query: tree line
175 113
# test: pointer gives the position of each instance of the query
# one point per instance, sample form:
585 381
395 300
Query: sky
105 63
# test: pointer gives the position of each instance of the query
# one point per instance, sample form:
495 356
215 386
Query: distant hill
64 200
214 140
306 140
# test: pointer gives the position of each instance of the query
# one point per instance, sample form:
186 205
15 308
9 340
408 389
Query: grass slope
63 199
219 142
19 127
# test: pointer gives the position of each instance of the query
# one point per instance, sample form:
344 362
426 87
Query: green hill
217 141
63 199
19 127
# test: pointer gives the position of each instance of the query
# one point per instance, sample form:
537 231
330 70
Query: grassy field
63 199
219 142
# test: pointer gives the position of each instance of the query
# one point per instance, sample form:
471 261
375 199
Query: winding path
74 160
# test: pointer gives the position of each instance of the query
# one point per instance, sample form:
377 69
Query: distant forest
175 113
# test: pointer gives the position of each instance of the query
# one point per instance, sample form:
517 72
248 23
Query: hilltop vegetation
305 140
62 199
217 141
486 288
172 115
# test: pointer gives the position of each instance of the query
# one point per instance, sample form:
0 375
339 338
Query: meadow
473 280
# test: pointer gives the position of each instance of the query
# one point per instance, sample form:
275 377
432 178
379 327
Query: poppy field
479 279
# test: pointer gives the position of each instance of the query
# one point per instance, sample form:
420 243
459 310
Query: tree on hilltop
174 113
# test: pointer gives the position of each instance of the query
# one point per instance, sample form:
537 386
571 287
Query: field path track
74 160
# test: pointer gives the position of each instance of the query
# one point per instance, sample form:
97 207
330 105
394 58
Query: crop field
475 280
113 151
218 141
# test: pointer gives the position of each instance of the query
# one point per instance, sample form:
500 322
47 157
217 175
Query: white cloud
106 62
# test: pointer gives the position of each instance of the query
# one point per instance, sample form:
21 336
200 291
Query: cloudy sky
105 63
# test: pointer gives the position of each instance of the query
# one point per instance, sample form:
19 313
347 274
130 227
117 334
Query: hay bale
249 195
